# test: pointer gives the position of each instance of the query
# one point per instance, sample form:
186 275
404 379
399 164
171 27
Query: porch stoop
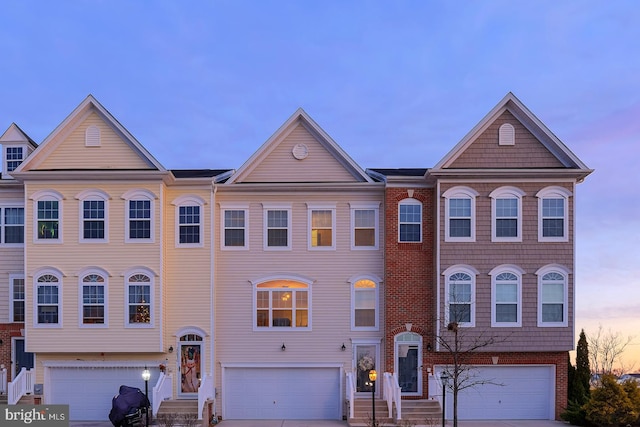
415 413
178 413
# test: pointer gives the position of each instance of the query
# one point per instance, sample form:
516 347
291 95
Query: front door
190 354
22 359
408 361
365 360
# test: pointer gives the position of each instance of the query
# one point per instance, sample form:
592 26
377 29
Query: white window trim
139 194
554 192
506 193
5 160
565 314
12 299
296 278
105 275
352 283
183 201
91 195
266 207
3 226
321 207
460 192
235 207
494 273
356 206
471 272
58 274
47 195
152 278
410 201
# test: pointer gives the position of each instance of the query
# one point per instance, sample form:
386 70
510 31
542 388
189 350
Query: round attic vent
300 151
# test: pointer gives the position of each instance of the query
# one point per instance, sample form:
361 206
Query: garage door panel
282 393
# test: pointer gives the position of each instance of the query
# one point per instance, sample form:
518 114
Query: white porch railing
161 391
350 391
3 381
21 385
205 392
392 394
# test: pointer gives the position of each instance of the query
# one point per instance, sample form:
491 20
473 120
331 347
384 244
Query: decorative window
282 303
553 296
277 232
189 217
322 230
14 156
410 221
460 295
139 300
48 297
553 219
11 226
507 135
17 298
364 225
460 214
93 300
48 224
93 214
506 212
365 302
235 223
139 216
506 296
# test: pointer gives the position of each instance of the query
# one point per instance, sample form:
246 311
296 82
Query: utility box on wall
37 389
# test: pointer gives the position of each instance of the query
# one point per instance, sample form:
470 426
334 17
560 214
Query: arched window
282 303
553 214
139 299
506 296
460 284
553 295
506 213
48 298
93 299
365 303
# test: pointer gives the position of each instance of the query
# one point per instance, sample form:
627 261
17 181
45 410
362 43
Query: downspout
438 318
212 301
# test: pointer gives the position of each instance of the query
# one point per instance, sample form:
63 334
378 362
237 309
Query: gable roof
528 120
14 134
300 117
87 106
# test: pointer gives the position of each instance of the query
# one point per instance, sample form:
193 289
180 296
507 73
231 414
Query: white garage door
515 393
282 393
89 391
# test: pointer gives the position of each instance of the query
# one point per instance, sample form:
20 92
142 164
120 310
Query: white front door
365 358
190 357
408 363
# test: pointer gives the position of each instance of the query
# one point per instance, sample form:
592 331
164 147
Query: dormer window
13 157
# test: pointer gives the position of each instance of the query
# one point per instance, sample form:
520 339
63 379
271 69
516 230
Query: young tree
609 404
582 377
605 349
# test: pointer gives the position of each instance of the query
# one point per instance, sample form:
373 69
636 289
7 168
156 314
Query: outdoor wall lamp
284 347
428 347
170 349
343 348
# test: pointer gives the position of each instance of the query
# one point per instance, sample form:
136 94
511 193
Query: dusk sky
202 84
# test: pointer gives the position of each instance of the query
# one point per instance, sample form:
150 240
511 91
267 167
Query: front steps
415 413
178 413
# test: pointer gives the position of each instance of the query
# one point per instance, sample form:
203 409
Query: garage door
513 393
282 393
88 391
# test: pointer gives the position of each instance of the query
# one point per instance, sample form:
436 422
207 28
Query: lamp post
373 376
444 377
146 376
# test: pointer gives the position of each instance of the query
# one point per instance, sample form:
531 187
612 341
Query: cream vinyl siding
187 291
72 257
330 292
113 152
280 165
529 255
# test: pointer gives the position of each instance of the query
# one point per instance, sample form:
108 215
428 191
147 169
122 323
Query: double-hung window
139 216
14 156
364 225
93 214
460 295
48 216
282 304
17 298
235 223
11 226
139 300
322 230
460 214
506 212
277 231
93 300
410 221
48 299
189 221
553 296
553 219
506 298
364 295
